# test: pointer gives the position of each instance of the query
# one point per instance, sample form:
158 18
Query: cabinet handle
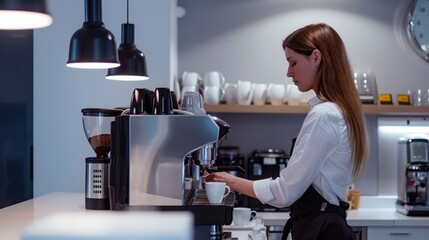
400 234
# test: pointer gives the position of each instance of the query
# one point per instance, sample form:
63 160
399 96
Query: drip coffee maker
96 124
413 177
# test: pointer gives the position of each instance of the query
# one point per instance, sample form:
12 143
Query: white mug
276 93
190 79
216 191
231 93
244 92
259 93
213 95
214 79
293 95
243 216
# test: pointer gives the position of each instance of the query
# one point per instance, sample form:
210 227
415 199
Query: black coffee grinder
96 124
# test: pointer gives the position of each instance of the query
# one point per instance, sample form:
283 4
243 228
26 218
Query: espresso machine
413 177
147 169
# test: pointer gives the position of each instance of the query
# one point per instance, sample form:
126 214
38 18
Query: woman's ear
317 56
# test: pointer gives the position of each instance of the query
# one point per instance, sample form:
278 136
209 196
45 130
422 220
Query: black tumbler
174 100
162 103
141 101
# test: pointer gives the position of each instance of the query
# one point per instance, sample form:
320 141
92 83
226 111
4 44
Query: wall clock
418 27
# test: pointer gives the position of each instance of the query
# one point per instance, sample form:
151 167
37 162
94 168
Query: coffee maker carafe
413 177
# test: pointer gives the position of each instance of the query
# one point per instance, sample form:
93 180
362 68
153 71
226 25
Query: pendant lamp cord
128 9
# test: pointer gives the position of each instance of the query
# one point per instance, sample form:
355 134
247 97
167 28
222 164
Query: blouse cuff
262 190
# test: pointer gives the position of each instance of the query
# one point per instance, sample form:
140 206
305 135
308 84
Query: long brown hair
334 82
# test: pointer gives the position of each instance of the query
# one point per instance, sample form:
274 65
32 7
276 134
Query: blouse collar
314 101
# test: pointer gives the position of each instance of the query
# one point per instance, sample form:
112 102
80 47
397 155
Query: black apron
314 218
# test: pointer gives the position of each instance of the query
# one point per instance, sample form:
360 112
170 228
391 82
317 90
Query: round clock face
418 27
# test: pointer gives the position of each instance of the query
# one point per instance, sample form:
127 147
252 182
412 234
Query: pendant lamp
93 46
24 14
133 61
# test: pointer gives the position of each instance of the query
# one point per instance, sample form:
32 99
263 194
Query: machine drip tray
412 210
198 197
196 202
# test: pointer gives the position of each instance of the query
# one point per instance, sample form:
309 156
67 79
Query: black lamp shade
24 14
93 46
133 61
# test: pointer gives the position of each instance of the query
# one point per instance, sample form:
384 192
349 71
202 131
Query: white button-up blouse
321 157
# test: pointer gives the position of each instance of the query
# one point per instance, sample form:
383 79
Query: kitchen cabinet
395 233
302 109
16 122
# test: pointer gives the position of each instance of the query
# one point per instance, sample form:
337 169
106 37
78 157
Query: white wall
242 39
60 146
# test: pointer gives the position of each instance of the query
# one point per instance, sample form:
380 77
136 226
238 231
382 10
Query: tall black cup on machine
96 124
147 169
413 176
142 101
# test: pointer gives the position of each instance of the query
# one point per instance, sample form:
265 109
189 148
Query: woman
331 147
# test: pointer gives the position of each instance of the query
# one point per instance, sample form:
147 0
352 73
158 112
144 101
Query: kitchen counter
374 211
382 217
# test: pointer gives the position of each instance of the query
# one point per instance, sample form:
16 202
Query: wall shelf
302 109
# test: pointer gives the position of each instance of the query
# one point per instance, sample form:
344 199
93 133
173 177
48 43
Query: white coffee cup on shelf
191 79
276 93
293 95
214 79
259 93
213 94
244 92
242 216
216 191
231 93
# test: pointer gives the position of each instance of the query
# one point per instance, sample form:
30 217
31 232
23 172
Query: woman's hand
221 177
236 184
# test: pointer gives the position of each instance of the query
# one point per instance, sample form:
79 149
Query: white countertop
374 211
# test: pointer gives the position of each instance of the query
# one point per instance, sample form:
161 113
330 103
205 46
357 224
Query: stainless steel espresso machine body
413 177
148 165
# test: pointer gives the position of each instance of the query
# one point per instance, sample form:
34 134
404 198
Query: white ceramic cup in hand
243 216
216 191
